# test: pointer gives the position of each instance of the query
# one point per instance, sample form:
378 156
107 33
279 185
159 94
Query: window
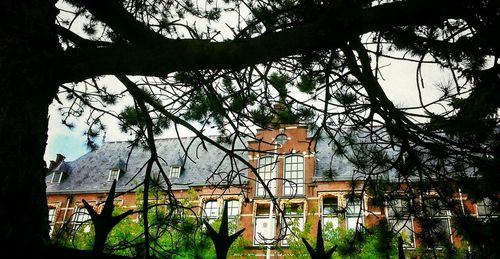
233 209
52 219
281 139
57 177
354 215
485 208
114 174
330 212
293 183
211 211
175 172
439 231
233 212
80 217
263 228
398 215
267 171
294 216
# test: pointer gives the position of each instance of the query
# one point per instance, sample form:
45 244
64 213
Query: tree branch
163 56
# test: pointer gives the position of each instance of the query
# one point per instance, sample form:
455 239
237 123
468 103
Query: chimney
59 158
52 165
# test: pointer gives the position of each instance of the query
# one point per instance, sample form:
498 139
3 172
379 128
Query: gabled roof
89 173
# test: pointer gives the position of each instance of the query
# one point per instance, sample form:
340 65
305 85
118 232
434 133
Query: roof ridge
163 138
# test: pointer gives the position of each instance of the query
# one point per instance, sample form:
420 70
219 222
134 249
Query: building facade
296 168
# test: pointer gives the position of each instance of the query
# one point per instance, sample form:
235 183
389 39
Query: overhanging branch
162 56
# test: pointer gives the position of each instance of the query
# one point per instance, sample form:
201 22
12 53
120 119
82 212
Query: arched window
267 171
293 182
280 139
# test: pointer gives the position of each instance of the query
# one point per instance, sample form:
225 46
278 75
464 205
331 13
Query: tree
330 50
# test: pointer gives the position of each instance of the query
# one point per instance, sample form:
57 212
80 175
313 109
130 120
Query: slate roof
89 173
327 161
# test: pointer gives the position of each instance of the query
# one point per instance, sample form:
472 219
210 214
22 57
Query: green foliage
175 235
261 116
346 98
131 117
280 82
306 84
377 242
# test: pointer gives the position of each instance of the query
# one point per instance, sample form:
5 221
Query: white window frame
292 218
114 174
56 179
51 218
211 210
484 209
294 168
330 216
175 172
81 216
233 213
263 218
233 208
354 213
267 171
441 215
398 216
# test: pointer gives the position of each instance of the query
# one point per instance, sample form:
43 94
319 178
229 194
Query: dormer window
175 172
60 172
57 177
114 174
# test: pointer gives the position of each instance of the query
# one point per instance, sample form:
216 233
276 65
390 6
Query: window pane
265 170
353 223
330 222
435 207
262 230
175 172
398 208
353 206
440 233
295 225
52 212
79 217
211 210
233 208
281 139
486 208
330 206
405 229
294 175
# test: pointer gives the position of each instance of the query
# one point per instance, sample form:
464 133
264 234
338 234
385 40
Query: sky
398 81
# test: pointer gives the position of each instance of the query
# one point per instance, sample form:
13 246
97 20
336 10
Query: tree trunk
27 40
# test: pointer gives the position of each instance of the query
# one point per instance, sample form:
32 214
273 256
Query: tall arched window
293 182
267 171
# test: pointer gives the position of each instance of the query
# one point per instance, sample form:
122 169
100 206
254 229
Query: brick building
294 165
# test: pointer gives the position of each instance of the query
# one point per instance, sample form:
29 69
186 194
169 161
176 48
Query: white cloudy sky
399 82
